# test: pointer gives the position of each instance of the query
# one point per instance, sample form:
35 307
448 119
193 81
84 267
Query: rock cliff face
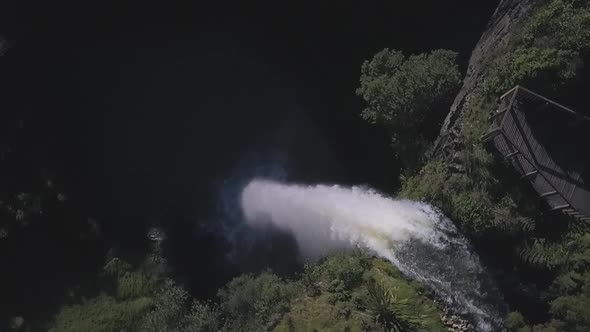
494 41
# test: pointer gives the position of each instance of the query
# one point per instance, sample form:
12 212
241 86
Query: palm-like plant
387 312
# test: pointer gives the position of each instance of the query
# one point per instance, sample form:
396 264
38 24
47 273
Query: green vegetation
467 187
121 309
132 300
354 292
103 313
482 195
529 66
389 313
255 303
342 292
173 310
546 257
409 96
548 52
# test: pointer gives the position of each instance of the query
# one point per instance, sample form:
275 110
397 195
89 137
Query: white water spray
415 237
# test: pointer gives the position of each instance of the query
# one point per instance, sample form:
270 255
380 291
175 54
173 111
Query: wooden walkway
549 145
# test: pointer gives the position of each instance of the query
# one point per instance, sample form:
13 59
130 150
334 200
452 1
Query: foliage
116 267
548 51
416 305
573 311
430 184
563 23
103 313
256 303
544 254
135 284
169 308
534 67
203 317
387 311
338 308
476 191
131 297
311 279
466 187
474 208
407 95
475 122
318 313
346 268
171 312
515 321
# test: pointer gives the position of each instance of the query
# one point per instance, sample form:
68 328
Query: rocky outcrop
494 41
453 322
456 324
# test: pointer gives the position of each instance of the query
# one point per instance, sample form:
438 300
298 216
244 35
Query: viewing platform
549 145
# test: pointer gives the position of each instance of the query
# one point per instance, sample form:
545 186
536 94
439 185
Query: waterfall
414 236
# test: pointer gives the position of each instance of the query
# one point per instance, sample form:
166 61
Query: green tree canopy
409 96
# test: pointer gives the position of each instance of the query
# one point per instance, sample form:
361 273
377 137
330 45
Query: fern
544 254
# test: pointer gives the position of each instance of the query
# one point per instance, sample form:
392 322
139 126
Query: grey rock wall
494 41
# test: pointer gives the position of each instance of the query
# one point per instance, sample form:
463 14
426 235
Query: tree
256 303
171 312
102 313
409 96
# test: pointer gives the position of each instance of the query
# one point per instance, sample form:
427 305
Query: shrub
507 218
549 49
128 299
573 311
409 96
544 254
203 318
116 267
256 303
388 312
515 321
346 270
429 185
135 284
102 313
563 23
311 279
472 209
534 67
171 312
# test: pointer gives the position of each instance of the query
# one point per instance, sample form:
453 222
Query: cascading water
415 237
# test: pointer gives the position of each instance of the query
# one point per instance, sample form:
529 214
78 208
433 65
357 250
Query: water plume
415 237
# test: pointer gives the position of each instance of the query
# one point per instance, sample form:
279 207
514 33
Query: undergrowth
481 193
354 292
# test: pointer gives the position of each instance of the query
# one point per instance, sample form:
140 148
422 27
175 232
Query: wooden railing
533 133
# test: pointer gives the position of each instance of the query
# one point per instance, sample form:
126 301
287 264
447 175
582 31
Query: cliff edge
495 41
